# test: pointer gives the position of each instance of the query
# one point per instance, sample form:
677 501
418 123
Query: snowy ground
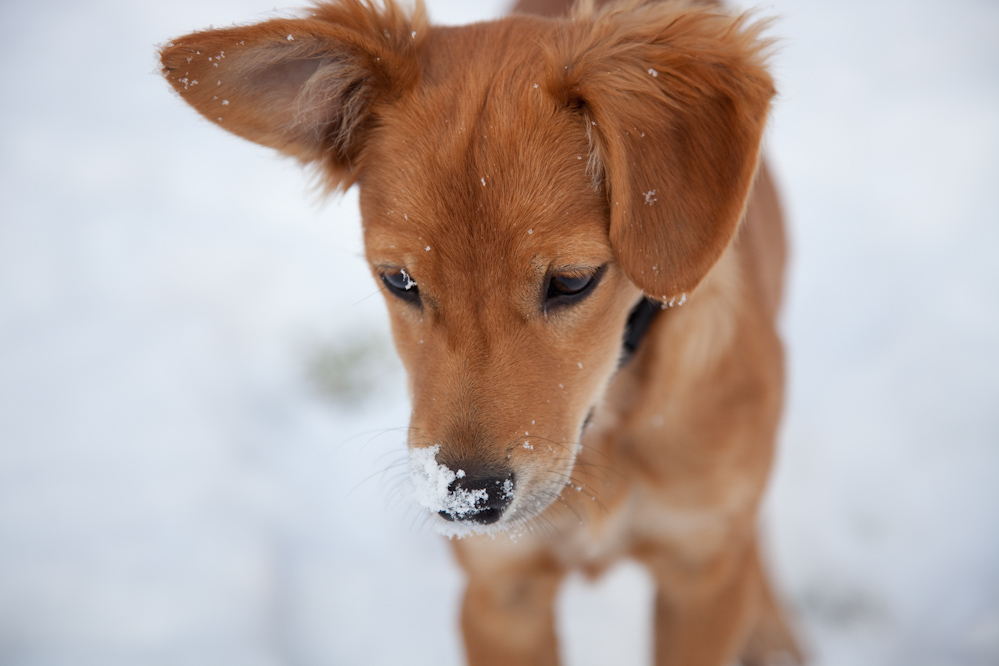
176 490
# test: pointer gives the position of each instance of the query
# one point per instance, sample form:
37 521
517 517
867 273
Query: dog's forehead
479 163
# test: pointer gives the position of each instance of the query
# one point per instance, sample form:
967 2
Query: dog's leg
703 614
508 614
770 641
718 612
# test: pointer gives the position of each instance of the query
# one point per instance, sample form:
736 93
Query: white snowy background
195 469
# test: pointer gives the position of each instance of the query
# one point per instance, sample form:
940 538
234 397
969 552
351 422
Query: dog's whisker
549 526
377 433
563 504
377 291
549 497
580 462
380 434
571 480
380 472
398 461
584 447
419 522
580 486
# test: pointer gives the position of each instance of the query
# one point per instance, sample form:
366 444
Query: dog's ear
675 104
307 87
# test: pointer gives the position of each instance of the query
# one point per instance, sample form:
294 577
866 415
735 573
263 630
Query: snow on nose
453 494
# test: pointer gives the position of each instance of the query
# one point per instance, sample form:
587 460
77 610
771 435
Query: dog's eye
571 287
402 285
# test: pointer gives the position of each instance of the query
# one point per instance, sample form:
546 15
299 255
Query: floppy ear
307 87
676 103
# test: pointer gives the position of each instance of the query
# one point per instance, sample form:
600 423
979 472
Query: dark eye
571 286
400 284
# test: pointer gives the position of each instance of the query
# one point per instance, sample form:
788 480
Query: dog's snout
492 497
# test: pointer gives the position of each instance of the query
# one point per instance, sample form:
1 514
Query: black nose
489 506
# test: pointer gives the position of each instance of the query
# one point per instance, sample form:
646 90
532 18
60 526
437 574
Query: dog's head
523 182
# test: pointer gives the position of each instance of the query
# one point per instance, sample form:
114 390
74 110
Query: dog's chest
641 518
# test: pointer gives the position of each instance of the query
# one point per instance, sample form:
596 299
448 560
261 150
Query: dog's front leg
703 614
508 615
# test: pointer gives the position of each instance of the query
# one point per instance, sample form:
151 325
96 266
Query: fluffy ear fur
306 87
676 101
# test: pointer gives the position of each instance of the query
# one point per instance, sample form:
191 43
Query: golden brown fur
623 143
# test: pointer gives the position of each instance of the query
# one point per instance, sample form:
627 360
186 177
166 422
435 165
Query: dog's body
523 183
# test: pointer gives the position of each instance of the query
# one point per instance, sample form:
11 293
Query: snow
432 484
674 301
173 489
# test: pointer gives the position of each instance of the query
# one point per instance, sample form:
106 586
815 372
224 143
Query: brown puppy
523 183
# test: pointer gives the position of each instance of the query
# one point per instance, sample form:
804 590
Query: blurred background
200 410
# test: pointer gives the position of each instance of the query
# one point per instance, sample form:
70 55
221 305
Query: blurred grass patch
350 371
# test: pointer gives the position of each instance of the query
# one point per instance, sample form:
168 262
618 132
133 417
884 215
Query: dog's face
506 299
522 183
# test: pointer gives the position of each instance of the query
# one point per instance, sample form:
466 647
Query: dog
582 255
